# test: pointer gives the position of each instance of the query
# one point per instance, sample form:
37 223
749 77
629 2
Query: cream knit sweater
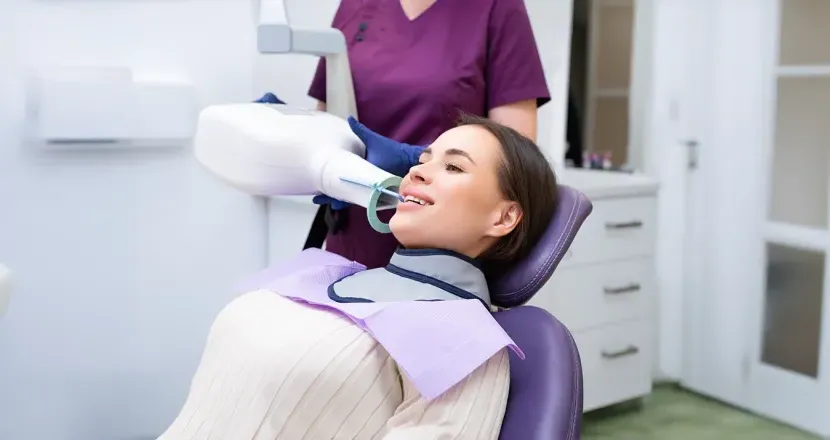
275 369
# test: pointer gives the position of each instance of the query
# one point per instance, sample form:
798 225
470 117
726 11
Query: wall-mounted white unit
93 105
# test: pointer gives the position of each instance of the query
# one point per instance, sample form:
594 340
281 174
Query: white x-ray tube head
278 150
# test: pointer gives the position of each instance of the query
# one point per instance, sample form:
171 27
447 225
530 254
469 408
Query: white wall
123 258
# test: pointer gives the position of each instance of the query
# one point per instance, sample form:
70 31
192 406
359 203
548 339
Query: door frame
723 207
669 112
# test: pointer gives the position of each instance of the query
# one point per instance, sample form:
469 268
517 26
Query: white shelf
597 184
796 236
804 71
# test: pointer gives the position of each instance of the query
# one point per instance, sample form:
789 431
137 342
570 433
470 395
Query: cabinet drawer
616 363
593 295
616 229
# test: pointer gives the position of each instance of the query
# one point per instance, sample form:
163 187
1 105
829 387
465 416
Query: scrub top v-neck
413 76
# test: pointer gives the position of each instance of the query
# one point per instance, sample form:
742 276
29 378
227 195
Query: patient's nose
419 174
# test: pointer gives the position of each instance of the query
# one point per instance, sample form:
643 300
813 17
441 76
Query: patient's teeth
416 200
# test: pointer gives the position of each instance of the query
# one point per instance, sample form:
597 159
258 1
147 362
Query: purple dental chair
545 400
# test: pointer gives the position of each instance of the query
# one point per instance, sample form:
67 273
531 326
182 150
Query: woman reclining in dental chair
417 354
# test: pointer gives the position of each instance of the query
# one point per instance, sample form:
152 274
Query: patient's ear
509 216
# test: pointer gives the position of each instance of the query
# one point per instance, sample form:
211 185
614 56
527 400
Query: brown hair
525 177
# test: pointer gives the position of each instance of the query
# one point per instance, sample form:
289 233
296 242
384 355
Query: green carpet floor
670 413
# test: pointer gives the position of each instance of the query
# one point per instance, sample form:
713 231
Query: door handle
628 351
633 287
624 225
691 145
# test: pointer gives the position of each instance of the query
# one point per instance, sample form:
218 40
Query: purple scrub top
412 77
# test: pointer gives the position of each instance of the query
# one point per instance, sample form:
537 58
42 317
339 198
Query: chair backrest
545 400
517 286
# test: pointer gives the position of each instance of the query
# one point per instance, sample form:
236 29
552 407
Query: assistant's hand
390 156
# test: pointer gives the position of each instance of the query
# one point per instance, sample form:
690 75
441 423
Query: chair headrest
517 286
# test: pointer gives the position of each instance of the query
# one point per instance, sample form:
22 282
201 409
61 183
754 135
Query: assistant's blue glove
269 98
391 156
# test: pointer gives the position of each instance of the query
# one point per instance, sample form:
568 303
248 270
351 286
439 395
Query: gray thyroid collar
416 275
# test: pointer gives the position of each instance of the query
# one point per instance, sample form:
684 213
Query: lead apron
416 275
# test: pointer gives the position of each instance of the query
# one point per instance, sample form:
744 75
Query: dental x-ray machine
279 150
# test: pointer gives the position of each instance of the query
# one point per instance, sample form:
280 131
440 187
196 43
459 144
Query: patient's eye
454 168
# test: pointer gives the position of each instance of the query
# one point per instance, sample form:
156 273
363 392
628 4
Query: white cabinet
604 290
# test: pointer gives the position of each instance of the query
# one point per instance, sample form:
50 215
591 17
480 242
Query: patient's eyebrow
451 152
457 152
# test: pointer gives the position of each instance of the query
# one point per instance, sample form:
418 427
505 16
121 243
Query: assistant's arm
521 116
516 85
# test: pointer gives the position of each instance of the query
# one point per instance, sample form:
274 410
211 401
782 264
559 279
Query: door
789 340
757 215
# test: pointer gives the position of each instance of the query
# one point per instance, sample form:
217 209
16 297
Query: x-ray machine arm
275 35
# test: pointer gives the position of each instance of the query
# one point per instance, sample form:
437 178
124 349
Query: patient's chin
399 227
406 231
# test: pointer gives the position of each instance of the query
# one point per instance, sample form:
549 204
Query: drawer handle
624 225
633 287
630 350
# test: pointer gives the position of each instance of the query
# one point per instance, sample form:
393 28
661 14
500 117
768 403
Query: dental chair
545 400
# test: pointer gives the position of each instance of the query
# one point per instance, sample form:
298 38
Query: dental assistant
416 64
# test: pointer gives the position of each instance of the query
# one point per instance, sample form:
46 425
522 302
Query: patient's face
453 196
